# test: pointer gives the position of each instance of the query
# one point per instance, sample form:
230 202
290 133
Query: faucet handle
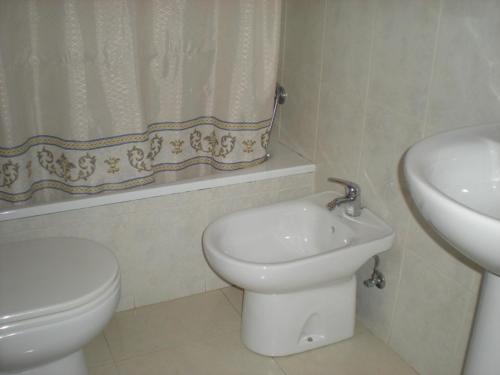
352 190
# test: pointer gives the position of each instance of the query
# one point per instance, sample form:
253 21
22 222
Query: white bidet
296 262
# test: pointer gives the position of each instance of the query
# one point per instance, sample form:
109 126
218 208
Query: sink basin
454 180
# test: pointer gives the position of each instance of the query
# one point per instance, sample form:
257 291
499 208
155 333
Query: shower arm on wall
279 98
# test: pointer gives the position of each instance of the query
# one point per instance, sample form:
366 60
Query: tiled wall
158 240
366 79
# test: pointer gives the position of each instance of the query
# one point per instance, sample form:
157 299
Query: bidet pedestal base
483 355
283 324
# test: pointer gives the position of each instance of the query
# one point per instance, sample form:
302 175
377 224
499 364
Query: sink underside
454 179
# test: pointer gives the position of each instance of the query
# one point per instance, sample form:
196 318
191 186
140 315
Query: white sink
454 180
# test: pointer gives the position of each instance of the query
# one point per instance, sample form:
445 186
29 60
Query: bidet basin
296 262
293 245
454 180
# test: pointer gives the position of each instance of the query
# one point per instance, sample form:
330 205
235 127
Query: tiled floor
200 335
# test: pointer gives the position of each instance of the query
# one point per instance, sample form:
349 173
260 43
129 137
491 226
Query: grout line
117 369
367 92
282 47
108 345
454 352
440 272
400 277
463 326
321 64
279 366
139 355
393 111
433 67
229 301
473 300
159 349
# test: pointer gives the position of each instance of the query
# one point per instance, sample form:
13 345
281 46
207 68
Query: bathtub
283 162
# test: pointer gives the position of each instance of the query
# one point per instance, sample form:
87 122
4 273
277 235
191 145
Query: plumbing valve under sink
377 278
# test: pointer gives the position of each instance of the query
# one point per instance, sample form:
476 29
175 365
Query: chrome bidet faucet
352 199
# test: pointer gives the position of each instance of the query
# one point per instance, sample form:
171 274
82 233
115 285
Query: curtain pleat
113 94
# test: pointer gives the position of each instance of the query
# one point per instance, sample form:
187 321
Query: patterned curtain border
129 160
130 138
124 185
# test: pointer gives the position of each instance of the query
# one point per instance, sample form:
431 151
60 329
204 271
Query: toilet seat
43 277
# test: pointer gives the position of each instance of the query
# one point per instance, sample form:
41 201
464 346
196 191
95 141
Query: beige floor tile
97 352
107 369
200 335
364 354
235 297
224 355
165 325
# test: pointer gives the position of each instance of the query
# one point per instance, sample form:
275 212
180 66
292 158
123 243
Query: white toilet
296 262
56 294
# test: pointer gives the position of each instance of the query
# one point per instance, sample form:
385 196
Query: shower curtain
100 95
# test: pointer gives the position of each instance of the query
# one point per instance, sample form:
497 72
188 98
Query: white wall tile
425 66
387 136
301 74
375 307
429 310
348 37
157 241
168 254
466 85
441 256
403 46
339 138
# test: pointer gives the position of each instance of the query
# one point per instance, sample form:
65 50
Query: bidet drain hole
310 339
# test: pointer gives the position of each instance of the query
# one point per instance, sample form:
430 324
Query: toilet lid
45 276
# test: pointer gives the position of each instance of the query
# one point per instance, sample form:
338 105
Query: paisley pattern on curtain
104 95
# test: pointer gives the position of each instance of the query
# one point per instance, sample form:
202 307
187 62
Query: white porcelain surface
296 262
43 340
482 356
454 179
286 323
40 277
293 245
